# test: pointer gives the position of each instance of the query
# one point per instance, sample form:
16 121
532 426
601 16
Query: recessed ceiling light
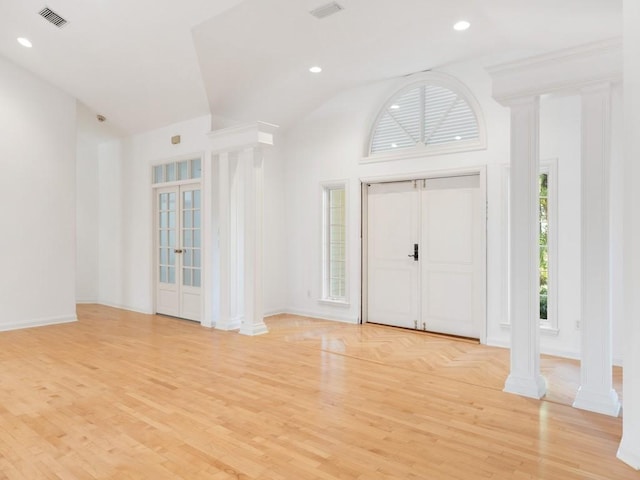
461 25
25 42
315 69
395 106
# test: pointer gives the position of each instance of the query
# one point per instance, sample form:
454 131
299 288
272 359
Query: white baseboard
40 322
322 316
86 301
126 307
493 342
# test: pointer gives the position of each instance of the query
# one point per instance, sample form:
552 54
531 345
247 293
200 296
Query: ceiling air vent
324 11
52 17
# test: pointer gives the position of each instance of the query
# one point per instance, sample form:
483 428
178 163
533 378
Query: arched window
435 115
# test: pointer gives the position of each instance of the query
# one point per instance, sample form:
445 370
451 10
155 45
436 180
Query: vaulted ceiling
144 64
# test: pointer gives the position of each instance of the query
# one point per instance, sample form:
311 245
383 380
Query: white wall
126 214
328 144
86 219
37 200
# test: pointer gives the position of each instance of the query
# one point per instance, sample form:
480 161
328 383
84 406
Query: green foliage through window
544 245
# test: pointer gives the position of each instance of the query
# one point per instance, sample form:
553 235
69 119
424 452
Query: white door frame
478 170
196 183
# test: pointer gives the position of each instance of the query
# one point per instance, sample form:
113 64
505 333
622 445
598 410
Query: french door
179 251
426 255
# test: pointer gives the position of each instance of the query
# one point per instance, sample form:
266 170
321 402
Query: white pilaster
524 378
208 281
596 391
629 451
252 163
225 319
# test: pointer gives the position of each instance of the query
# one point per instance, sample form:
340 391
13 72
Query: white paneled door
393 273
426 255
179 251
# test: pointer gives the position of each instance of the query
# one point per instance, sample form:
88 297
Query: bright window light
461 25
315 69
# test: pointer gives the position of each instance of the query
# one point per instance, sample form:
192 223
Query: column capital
241 137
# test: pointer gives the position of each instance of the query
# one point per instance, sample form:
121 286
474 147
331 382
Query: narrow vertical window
335 246
547 247
544 246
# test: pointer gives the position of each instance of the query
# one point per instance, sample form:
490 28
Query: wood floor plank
120 395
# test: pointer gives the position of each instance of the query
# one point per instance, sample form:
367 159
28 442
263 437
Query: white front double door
179 251
426 255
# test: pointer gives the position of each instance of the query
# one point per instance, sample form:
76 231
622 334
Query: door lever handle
178 250
415 253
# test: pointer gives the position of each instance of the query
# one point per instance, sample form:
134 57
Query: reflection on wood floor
121 395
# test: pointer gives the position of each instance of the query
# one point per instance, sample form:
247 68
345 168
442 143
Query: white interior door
443 289
392 271
452 263
179 251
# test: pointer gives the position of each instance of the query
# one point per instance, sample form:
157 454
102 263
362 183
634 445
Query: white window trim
437 79
326 299
549 326
176 161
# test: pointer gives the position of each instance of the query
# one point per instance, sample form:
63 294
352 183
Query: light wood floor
120 395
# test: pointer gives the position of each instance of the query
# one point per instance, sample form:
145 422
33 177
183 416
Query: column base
252 329
532 387
604 403
229 324
628 454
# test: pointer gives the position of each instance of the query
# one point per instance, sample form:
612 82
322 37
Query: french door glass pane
196 278
186 201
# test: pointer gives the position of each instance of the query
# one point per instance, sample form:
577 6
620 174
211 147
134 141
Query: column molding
596 391
225 321
240 191
524 378
251 162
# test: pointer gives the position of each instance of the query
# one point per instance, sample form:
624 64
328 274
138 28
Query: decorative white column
252 163
208 228
225 320
239 151
596 391
629 451
524 378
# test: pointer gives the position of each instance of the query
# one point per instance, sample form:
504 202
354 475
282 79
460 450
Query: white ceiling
145 64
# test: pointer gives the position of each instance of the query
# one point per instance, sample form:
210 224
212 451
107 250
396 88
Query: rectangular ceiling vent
324 11
52 17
